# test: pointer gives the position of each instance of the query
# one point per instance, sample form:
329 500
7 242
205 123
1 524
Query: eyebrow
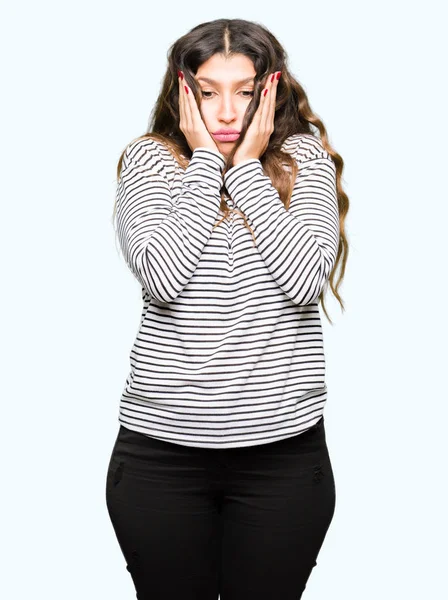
212 81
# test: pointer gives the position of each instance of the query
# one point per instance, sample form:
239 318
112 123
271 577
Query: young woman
230 214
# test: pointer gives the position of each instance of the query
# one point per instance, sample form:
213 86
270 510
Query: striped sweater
229 350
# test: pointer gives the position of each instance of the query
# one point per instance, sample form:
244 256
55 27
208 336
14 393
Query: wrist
240 159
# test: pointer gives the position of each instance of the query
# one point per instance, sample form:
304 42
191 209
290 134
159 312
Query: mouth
231 136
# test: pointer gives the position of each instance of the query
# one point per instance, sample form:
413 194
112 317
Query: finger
184 98
181 101
268 108
197 121
188 96
194 106
258 116
272 101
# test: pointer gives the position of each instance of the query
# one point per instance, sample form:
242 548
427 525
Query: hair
293 114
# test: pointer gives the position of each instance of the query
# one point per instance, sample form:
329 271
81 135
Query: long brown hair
292 114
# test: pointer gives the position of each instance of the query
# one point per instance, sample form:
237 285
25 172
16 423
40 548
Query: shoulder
147 152
305 147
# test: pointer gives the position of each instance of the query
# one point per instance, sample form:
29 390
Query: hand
191 123
259 131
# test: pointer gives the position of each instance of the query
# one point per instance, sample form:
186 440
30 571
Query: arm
298 245
162 239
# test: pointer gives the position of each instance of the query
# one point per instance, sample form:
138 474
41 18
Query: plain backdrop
79 80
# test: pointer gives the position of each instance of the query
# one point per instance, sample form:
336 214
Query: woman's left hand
259 131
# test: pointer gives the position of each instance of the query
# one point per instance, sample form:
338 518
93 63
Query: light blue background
79 82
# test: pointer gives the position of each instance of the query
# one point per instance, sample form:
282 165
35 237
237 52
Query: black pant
243 523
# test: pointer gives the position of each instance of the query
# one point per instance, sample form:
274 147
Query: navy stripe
229 351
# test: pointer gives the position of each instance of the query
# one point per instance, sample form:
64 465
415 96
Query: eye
250 92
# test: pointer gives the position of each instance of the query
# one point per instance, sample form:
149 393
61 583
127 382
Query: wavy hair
293 115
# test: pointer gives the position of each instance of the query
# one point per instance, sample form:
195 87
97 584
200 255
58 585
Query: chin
225 147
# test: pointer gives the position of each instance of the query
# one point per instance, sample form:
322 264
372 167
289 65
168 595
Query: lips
226 135
225 131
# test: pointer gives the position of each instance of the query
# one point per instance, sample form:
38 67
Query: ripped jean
239 523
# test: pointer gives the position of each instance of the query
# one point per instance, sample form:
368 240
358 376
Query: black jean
243 523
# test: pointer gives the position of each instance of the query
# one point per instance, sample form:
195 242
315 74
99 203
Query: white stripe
229 351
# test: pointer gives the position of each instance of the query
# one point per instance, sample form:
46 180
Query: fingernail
180 74
272 78
265 92
279 74
186 89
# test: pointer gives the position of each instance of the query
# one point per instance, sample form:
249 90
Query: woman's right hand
191 123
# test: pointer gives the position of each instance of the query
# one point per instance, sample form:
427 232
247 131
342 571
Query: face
226 88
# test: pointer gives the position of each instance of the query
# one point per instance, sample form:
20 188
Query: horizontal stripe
229 351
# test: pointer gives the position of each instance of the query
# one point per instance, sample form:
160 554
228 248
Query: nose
226 110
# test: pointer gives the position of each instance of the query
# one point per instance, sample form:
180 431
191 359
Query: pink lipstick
226 135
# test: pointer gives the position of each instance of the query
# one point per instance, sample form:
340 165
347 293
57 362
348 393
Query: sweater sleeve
298 245
162 237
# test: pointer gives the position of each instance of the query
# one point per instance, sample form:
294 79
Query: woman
230 214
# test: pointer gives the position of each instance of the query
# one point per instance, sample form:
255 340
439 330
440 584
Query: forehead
227 80
219 69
